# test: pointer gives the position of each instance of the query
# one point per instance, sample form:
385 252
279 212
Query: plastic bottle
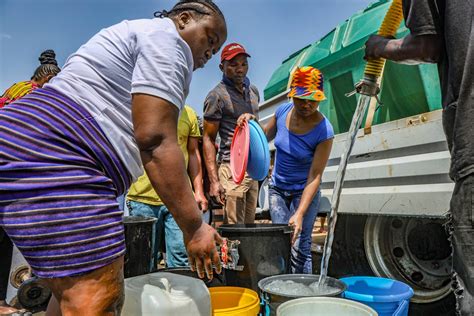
166 294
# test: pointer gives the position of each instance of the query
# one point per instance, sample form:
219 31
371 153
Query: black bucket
138 240
216 281
271 299
264 251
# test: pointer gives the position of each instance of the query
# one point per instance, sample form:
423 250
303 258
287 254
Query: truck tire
349 258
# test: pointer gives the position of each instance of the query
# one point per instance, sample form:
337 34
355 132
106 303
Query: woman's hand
296 221
245 118
202 250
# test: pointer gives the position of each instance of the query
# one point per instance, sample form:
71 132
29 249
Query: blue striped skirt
59 180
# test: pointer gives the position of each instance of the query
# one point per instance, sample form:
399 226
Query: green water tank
405 90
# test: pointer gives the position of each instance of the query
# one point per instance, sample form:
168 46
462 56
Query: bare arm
195 172
320 159
409 49
155 127
209 139
271 128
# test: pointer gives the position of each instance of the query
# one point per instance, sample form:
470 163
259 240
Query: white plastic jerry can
175 302
166 294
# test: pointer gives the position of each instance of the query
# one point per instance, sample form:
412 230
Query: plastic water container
166 294
234 301
264 251
138 236
271 299
324 306
388 297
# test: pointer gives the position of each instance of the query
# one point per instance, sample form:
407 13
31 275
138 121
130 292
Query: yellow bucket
235 301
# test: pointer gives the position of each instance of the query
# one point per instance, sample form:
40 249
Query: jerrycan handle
166 284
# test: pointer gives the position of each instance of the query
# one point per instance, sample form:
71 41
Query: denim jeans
283 205
166 232
122 205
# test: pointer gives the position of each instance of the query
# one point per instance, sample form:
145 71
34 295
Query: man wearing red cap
232 97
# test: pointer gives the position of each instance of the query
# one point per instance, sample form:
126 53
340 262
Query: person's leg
176 255
323 221
232 205
121 201
100 292
461 227
147 210
53 308
234 197
6 250
251 197
279 206
301 259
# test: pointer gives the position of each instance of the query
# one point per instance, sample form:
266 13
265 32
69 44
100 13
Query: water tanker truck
397 189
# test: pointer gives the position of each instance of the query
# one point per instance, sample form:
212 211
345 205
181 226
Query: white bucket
324 306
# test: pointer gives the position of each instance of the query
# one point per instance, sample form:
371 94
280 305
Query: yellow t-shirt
188 126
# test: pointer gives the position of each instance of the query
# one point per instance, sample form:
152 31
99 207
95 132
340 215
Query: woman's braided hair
48 67
201 7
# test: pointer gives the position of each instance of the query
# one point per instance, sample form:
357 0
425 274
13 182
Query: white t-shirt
139 56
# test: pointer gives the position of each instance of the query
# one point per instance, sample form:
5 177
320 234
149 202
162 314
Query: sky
270 30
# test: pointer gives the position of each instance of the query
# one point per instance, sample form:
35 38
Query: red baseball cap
231 50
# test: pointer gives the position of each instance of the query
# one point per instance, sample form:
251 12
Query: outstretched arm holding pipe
407 50
424 44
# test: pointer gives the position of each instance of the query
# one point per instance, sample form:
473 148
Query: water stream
362 106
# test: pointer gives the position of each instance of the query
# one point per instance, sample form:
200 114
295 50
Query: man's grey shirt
224 104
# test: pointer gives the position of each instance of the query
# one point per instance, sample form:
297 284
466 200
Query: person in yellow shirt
142 200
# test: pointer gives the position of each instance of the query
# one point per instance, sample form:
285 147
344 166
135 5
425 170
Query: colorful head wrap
307 83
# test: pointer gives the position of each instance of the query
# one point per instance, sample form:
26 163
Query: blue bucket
388 297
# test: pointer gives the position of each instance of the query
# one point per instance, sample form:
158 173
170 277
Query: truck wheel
348 255
368 245
414 250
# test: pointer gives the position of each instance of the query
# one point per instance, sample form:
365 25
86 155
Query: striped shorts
59 180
